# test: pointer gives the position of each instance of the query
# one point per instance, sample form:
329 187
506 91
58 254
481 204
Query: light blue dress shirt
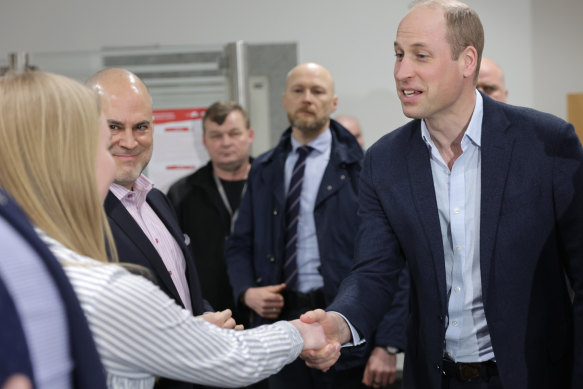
458 194
308 254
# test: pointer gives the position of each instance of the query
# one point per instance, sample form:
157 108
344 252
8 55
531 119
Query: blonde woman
54 152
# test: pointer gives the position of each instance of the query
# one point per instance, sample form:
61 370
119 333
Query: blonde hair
48 149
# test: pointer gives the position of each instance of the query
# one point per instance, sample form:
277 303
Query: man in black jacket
207 201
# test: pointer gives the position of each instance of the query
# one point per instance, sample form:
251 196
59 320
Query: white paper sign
178 147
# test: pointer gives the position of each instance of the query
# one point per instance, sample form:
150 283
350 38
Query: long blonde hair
48 151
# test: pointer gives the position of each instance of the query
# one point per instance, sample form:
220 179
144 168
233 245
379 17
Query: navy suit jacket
531 233
14 357
133 246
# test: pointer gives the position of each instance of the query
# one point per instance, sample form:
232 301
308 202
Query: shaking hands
323 333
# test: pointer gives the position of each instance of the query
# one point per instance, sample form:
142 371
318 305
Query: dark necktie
292 214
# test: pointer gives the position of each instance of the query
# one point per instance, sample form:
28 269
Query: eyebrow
118 123
147 122
414 45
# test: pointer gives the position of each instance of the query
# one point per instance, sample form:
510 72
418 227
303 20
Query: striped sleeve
140 332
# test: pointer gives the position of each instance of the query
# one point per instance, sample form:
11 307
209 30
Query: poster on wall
178 148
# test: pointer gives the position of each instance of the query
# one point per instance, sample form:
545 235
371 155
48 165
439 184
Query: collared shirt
165 244
458 194
41 310
308 254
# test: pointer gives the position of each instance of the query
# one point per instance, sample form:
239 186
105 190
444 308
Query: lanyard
225 199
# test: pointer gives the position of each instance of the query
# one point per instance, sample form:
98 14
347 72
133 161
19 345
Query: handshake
323 334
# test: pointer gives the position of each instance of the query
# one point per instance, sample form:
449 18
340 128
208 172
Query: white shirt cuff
356 340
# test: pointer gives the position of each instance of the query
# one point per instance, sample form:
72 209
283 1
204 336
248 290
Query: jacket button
258 280
343 177
272 259
329 187
275 212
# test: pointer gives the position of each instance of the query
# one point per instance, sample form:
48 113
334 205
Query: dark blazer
14 357
531 231
203 216
255 250
133 246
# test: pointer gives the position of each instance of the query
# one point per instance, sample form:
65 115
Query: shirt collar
321 143
141 188
474 130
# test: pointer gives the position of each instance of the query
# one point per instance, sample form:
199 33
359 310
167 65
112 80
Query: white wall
528 38
558 58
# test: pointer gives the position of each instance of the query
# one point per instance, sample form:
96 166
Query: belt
465 372
312 300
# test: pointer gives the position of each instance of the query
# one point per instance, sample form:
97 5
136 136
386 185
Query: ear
469 61
334 103
204 138
251 134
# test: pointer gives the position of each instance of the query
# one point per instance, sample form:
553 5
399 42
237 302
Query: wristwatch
392 350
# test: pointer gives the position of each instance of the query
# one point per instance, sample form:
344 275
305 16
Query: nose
226 140
403 69
307 97
126 139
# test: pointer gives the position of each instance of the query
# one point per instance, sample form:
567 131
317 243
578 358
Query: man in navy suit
44 337
142 220
484 203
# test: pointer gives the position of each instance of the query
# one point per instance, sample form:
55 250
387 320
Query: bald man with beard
283 261
142 220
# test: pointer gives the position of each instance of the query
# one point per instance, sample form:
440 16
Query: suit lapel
272 176
162 207
423 190
119 215
496 152
165 213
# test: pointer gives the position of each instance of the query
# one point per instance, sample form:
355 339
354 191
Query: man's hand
222 319
313 335
17 381
380 369
266 301
337 332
